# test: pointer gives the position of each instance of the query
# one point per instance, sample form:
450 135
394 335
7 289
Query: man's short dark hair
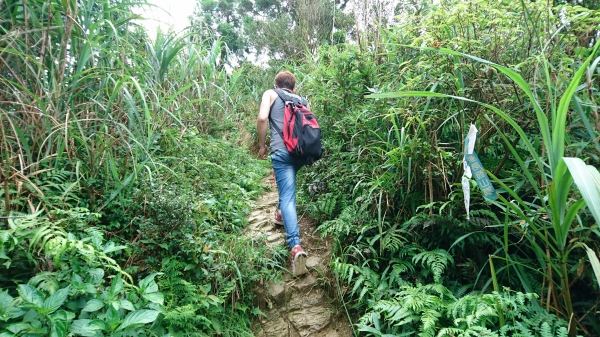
285 79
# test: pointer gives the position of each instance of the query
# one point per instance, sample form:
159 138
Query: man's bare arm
262 123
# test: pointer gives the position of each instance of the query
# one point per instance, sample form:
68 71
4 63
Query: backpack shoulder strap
287 97
281 95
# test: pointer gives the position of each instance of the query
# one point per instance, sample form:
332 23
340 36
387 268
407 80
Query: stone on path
312 261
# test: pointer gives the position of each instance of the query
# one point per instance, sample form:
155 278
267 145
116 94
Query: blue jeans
286 166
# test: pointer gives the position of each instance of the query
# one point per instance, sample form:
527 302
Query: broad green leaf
116 286
59 328
97 275
214 298
148 285
90 288
93 305
156 297
112 317
138 317
116 304
125 304
76 280
5 299
52 303
593 261
31 295
6 306
586 179
18 327
88 328
110 247
64 315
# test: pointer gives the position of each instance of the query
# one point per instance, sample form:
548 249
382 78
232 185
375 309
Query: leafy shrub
53 305
69 295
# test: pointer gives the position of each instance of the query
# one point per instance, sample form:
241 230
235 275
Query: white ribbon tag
469 149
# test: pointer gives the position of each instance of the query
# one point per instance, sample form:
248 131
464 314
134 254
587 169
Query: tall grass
85 94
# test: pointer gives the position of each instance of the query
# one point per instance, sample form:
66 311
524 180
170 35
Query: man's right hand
262 153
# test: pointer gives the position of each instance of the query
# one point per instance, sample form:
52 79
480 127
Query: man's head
285 80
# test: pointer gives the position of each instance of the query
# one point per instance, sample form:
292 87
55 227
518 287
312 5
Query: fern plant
192 308
348 222
435 261
432 310
47 245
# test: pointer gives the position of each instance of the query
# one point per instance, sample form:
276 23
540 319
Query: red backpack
301 133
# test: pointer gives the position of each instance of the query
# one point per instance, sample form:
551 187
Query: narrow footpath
296 306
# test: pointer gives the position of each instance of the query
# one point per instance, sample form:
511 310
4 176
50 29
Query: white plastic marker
469 149
473 167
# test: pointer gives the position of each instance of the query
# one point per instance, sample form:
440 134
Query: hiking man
285 165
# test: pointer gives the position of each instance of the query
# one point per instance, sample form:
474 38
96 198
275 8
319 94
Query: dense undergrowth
408 259
127 174
126 179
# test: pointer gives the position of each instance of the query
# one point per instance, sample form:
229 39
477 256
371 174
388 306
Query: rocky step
298 307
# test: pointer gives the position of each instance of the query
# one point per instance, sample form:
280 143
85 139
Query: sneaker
278 217
299 258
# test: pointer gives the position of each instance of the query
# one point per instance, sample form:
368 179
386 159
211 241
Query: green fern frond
47 282
516 331
545 330
479 331
345 271
450 332
471 309
344 223
562 332
418 220
483 218
429 318
436 261
460 291
454 332
440 290
409 251
399 267
393 311
393 239
417 299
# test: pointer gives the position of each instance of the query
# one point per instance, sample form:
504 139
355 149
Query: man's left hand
262 153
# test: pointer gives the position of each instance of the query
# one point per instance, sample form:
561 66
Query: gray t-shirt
276 116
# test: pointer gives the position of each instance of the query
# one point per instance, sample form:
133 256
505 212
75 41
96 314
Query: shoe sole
300 265
280 223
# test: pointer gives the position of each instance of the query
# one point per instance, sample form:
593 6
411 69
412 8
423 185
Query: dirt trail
298 306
